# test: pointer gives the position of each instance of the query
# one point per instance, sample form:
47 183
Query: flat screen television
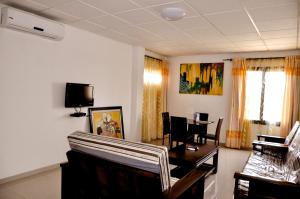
79 95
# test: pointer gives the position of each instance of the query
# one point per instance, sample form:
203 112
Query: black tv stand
78 114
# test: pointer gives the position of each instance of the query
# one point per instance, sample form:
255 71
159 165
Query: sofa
267 175
105 167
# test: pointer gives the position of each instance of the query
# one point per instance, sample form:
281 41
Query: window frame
262 96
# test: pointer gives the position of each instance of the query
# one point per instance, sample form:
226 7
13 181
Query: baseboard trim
29 173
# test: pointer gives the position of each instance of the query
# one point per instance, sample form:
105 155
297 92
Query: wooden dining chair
179 132
215 136
166 126
200 130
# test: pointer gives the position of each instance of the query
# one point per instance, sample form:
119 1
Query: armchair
268 176
277 144
108 168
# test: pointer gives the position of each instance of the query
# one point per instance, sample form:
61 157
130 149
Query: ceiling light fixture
173 13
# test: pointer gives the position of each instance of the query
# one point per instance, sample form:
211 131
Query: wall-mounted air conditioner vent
24 21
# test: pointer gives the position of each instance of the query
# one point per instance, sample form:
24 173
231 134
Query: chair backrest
137 156
178 129
292 133
200 129
218 129
166 123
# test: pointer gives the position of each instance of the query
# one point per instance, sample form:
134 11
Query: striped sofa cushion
135 154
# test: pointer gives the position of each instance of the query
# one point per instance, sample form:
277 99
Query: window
264 91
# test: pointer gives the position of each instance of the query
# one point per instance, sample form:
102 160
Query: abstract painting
202 78
107 121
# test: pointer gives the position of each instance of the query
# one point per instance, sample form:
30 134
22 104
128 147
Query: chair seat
212 136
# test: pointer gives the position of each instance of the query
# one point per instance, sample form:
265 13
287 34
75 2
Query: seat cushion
144 156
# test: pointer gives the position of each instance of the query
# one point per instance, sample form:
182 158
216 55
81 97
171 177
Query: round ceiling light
173 14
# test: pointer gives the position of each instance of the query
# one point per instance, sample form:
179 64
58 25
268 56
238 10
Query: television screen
79 95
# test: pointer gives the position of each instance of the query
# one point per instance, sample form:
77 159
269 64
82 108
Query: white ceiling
210 26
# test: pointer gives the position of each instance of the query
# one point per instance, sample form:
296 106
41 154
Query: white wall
33 71
186 104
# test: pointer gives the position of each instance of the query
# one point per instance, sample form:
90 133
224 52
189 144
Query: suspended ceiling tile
80 10
154 2
191 23
250 43
266 3
281 41
53 3
212 6
274 12
86 25
279 34
235 22
27 5
59 16
110 22
189 11
112 6
243 37
138 17
279 24
159 27
282 47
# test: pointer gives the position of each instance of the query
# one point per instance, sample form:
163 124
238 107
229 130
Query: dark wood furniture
179 132
275 144
200 130
266 175
166 126
216 136
188 159
89 177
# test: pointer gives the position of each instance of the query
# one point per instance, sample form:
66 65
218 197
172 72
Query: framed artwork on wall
107 121
201 78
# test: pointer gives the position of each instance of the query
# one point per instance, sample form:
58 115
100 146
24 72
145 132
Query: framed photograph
107 121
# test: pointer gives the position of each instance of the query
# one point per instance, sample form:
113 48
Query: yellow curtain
291 107
237 136
154 101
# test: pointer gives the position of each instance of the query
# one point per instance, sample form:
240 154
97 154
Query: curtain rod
153 57
230 59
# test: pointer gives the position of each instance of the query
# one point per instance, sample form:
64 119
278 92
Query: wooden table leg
215 161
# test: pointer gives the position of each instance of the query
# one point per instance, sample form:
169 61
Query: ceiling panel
189 11
52 3
110 22
212 6
207 36
279 24
279 34
27 5
274 12
59 16
138 16
86 25
80 10
281 41
235 22
154 2
211 26
243 37
191 23
112 6
266 3
250 43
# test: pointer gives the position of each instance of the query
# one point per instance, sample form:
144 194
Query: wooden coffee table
190 159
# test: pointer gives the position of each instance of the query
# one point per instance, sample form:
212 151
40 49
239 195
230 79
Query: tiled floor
47 184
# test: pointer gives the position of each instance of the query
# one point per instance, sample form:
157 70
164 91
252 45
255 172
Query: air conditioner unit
27 22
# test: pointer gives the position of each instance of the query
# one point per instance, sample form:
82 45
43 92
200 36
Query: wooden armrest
271 138
194 177
270 144
269 181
